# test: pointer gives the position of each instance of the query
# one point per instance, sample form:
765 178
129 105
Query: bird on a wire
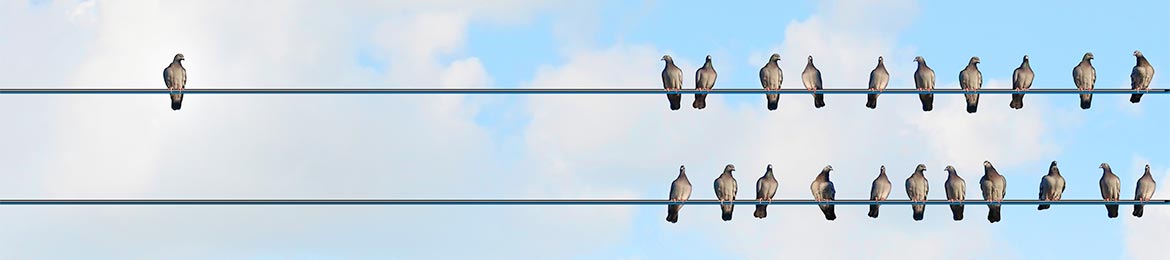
725 190
765 190
924 81
704 81
1085 76
879 191
878 79
175 77
680 190
1144 191
771 78
916 189
956 191
1140 78
822 190
1051 186
1110 189
970 79
672 80
994 187
1021 80
812 82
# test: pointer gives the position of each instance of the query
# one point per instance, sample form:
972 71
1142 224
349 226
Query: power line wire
66 91
523 202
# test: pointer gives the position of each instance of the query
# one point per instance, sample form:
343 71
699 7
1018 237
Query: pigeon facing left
822 190
704 81
1085 76
175 76
924 81
1110 189
878 79
1145 191
812 81
680 190
672 80
765 190
971 80
725 191
1021 80
916 189
1141 76
956 191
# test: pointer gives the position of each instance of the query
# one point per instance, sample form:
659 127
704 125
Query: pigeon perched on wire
725 190
971 80
879 191
812 81
1142 75
1051 186
771 78
1110 189
994 188
956 191
1085 76
672 80
765 190
704 81
175 77
1021 80
878 79
916 189
1144 191
822 190
924 81
680 190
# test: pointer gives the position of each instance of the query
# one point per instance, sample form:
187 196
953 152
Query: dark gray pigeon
878 79
1142 75
879 191
1021 80
971 80
924 81
956 191
1145 191
175 76
771 78
1051 186
672 80
822 190
812 81
916 189
704 80
680 190
725 191
765 190
1110 189
1085 76
994 188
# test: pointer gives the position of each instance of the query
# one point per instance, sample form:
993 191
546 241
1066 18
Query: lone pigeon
812 81
1021 80
725 191
971 80
1145 190
175 76
822 190
765 190
924 81
994 187
1110 189
680 190
771 77
879 191
1051 186
704 81
672 80
1142 75
916 189
956 191
878 79
1084 75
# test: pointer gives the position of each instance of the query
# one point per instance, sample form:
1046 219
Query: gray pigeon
704 80
916 189
1145 191
1084 75
879 191
765 190
1142 75
956 191
878 79
175 76
971 80
1110 189
812 81
725 191
771 77
924 81
672 80
822 190
680 190
994 187
1051 186
1021 80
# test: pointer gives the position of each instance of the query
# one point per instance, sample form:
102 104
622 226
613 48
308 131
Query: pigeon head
769 166
1025 57
1104 166
919 59
828 168
667 58
708 57
1053 164
1147 168
682 167
1088 56
775 57
975 60
809 58
921 167
729 168
179 57
986 164
1138 54
883 167
880 59
950 168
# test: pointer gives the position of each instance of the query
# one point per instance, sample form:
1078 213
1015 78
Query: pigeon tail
1138 210
675 101
773 101
871 102
993 213
1135 98
672 213
727 209
1086 101
873 210
919 211
830 214
761 211
819 100
972 107
176 104
927 102
957 212
700 101
1043 206
1112 210
1017 101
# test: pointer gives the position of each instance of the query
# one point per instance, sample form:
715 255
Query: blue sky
222 146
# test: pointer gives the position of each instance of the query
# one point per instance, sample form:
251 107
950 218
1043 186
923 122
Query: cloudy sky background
562 146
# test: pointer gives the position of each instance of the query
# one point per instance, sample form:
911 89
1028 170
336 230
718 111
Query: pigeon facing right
765 190
916 189
1142 75
924 81
822 190
1051 186
1085 76
680 190
704 81
725 190
1145 191
994 188
956 191
812 81
878 79
1110 189
175 76
1021 80
879 191
672 80
771 77
971 80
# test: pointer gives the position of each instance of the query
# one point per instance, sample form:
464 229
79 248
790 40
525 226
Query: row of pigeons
970 79
992 184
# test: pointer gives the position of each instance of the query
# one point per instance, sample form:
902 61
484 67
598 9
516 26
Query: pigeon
1084 75
1110 189
175 76
1145 190
1021 80
1051 186
879 191
924 81
812 81
765 190
878 79
704 80
771 77
680 190
971 80
672 80
916 189
956 191
994 187
725 191
822 190
1142 75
